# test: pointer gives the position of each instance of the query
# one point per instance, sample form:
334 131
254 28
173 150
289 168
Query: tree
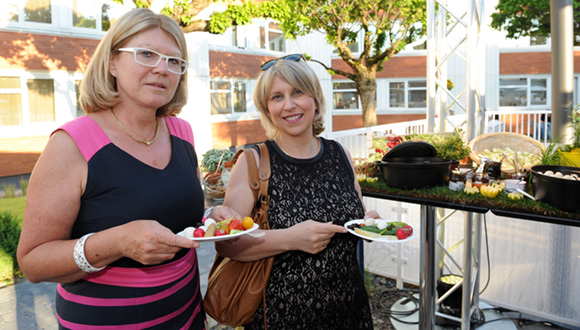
522 18
386 27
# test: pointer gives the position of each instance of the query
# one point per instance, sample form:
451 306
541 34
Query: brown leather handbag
236 289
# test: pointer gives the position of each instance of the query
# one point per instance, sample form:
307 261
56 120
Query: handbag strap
258 180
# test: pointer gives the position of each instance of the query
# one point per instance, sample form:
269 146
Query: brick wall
530 63
18 155
410 66
341 123
235 65
43 52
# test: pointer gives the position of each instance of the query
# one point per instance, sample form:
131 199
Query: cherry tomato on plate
247 222
235 224
408 229
401 233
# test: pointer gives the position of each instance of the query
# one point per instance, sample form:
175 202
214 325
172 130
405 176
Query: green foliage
551 156
521 18
24 186
10 227
447 146
214 159
9 190
14 205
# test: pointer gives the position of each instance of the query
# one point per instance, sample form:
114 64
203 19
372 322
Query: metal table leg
427 276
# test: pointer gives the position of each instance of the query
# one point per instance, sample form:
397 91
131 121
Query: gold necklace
284 151
145 141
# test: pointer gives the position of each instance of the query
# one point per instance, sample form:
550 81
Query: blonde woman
315 281
113 187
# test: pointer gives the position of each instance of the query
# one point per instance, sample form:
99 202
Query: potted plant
216 164
215 160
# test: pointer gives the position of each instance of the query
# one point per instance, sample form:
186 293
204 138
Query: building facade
45 46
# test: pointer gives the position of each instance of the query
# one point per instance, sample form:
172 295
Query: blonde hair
98 87
301 76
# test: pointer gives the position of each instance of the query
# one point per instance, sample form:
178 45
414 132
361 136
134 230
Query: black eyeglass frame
292 57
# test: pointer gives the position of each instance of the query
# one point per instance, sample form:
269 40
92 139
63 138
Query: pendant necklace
145 141
284 151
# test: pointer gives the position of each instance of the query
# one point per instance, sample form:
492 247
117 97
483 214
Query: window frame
349 110
529 89
62 18
24 77
250 110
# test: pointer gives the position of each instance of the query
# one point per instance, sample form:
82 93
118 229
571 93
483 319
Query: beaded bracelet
81 259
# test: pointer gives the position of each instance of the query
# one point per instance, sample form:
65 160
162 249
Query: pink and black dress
120 188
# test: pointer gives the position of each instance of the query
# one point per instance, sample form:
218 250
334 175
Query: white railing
529 122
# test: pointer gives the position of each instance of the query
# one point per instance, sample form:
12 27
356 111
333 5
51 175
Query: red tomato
401 234
235 224
408 229
221 232
198 232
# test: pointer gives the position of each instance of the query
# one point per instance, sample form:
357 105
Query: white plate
219 238
387 238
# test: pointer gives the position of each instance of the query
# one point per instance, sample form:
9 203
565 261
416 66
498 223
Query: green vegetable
376 230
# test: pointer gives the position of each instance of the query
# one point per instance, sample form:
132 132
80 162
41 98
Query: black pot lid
410 149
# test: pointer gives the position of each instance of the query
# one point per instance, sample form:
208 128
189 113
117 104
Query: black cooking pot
413 165
557 191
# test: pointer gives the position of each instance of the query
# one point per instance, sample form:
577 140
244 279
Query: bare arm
45 250
309 236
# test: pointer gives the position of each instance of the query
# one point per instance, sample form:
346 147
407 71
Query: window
275 38
262 35
539 92
417 94
10 101
397 95
41 100
522 92
37 11
227 97
91 15
40 94
344 95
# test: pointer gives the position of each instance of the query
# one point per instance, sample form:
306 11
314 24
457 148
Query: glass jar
456 181
480 179
494 171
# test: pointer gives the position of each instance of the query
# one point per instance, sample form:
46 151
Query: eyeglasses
291 57
151 58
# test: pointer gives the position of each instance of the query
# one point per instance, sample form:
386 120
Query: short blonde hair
301 76
98 87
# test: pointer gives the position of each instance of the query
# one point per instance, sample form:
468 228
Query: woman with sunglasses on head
315 281
113 187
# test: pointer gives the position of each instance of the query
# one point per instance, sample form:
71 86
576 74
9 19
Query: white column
198 109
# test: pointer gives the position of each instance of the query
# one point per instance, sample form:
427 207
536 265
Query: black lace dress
324 290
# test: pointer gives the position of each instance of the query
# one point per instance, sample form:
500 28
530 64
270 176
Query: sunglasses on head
291 57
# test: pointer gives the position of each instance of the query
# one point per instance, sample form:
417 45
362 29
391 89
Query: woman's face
142 86
291 111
